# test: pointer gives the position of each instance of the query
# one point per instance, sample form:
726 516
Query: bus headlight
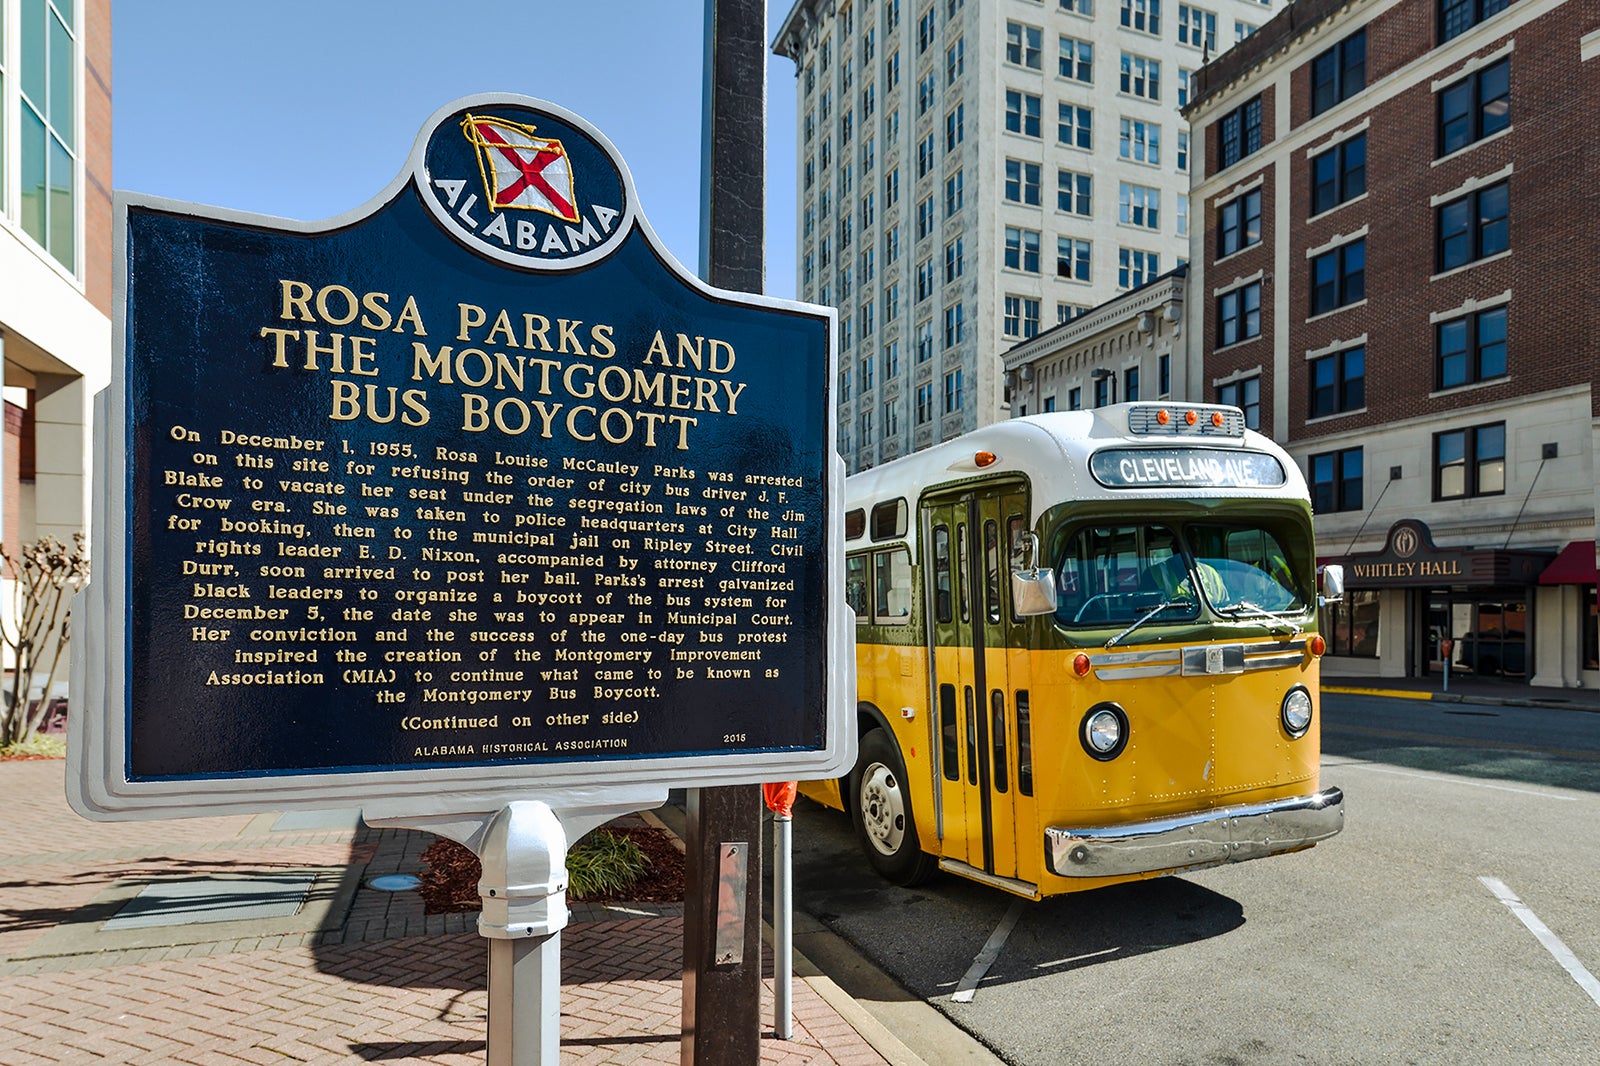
1104 732
1296 711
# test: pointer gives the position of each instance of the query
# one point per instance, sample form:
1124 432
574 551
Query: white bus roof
1145 457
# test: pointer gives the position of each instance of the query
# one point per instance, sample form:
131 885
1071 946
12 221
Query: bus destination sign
1151 468
476 478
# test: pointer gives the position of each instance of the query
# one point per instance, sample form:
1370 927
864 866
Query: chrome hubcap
883 809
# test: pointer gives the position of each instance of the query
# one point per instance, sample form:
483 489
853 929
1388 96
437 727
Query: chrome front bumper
1204 838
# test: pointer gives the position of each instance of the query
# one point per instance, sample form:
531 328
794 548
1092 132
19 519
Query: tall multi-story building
1388 224
55 258
972 171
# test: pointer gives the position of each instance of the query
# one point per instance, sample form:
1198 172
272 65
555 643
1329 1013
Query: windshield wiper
1261 612
1151 613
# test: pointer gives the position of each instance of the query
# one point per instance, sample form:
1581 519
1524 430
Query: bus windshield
1120 574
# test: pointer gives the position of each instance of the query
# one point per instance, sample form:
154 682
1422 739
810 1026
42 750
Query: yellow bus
1086 652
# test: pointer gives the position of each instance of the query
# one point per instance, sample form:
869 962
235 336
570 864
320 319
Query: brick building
1392 200
55 258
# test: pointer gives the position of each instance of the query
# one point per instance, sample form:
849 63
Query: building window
866 265
1184 76
954 127
924 284
47 78
891 247
1074 193
1183 215
1336 481
1245 395
952 391
1074 126
924 347
1197 28
1475 107
924 403
891 188
1470 349
953 265
1068 312
891 419
866 367
864 429
1024 45
1130 384
925 156
1135 268
1075 59
1164 377
926 94
1339 174
926 27
1022 249
1078 7
1075 399
952 195
1242 29
891 361
1339 277
1240 132
1339 73
844 386
1140 141
1469 462
1138 205
955 61
1022 182
868 212
1183 151
1351 626
1072 258
891 126
1102 388
1142 15
954 325
1474 227
891 70
1021 316
1239 314
1022 113
1141 77
1338 383
925 217
1458 16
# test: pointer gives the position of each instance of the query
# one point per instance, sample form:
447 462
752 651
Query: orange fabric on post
780 797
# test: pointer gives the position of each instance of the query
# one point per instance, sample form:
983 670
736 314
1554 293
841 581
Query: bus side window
997 735
855 586
991 570
1014 536
892 582
973 754
941 573
949 733
963 571
1024 745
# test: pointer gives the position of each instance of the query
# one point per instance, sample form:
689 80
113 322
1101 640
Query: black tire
881 809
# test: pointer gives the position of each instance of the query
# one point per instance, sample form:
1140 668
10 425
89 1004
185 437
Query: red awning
1574 566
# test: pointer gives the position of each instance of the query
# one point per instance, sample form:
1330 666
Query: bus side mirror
1331 580
1033 590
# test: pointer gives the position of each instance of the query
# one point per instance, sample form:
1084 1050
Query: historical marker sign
472 490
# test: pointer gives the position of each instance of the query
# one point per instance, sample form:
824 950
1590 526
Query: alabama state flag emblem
520 168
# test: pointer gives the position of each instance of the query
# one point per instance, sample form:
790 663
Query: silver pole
524 892
782 927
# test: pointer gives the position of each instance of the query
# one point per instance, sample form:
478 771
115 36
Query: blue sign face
477 478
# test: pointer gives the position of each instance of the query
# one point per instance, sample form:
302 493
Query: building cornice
1165 290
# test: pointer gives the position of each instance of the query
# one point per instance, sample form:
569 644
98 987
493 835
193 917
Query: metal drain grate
238 899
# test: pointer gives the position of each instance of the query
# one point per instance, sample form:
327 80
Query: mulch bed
450 874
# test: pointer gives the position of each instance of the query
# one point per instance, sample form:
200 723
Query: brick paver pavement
372 979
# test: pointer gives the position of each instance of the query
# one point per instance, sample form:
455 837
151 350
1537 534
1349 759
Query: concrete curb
1549 703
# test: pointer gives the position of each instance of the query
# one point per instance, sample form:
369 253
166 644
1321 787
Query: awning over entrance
1574 566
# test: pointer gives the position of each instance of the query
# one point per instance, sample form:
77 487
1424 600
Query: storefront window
1591 630
1351 627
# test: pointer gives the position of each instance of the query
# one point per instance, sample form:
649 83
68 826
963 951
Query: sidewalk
340 972
1467 689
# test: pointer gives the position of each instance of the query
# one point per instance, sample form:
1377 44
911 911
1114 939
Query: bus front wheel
881 806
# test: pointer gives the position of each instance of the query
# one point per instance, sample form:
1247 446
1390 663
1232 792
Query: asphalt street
1452 922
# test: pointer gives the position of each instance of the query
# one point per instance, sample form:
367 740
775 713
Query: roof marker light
1216 419
1191 418
1162 417
983 459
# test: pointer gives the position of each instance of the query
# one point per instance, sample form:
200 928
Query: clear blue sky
307 108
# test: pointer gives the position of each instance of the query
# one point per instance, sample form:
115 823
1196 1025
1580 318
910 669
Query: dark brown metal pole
721 958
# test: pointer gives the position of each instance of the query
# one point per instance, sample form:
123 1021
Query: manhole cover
396 882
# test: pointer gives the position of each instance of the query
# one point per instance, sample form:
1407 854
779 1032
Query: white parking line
1551 942
1449 778
968 986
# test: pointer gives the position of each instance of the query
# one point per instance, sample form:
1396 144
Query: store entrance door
1489 633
